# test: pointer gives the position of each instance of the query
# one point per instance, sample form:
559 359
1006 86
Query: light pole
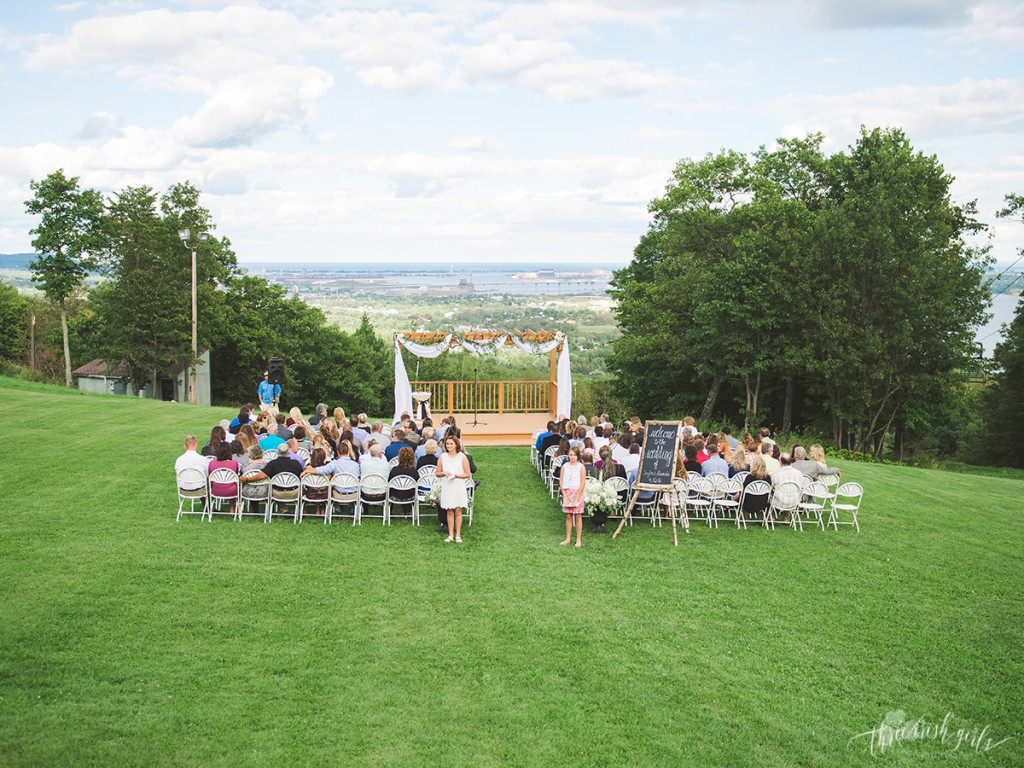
202 237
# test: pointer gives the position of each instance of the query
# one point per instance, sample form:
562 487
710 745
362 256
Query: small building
95 376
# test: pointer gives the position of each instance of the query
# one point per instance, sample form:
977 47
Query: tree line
139 314
804 290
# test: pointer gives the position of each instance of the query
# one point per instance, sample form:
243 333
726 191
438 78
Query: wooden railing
487 396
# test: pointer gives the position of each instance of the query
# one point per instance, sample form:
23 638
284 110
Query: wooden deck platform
498 429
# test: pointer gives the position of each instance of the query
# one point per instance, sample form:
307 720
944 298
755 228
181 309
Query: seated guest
283 463
771 464
224 461
319 441
238 452
691 464
282 431
359 429
294 417
405 468
262 422
240 420
429 457
725 450
191 458
680 470
600 439
580 436
343 465
607 466
399 443
217 435
302 437
247 437
320 415
548 439
700 445
427 436
253 461
339 417
375 434
754 506
787 473
813 467
733 442
689 427
293 451
715 463
620 450
766 436
738 463
631 462
271 441
373 462
317 461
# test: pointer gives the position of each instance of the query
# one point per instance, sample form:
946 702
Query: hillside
132 639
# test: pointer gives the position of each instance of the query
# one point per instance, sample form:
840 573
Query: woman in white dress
453 469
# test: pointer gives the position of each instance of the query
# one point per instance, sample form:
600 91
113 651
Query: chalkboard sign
658 459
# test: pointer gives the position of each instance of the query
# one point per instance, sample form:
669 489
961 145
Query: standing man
268 394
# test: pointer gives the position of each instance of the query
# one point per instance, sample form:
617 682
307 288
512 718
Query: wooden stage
498 428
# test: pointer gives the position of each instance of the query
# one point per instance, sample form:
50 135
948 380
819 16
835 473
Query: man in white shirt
631 461
190 458
374 463
770 463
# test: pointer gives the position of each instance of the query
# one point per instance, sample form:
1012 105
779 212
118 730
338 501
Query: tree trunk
787 412
899 444
155 380
67 348
709 403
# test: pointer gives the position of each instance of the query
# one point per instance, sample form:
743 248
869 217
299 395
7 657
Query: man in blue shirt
268 393
715 463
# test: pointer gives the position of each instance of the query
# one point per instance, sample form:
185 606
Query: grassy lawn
129 639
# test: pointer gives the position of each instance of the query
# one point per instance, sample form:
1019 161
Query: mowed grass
127 638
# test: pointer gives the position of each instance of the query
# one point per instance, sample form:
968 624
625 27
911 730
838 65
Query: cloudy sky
466 131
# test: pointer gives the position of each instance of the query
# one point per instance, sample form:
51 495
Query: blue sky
465 131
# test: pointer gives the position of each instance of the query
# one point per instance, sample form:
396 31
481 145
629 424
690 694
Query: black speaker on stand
275 370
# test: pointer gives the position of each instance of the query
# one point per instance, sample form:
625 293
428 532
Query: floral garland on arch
431 345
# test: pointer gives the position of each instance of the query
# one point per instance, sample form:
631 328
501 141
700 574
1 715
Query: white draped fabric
563 377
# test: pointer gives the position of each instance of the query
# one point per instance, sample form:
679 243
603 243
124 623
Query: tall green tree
67 241
904 292
13 324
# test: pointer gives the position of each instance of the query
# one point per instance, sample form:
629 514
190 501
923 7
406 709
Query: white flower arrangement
599 495
434 497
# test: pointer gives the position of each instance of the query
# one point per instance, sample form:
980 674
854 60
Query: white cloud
100 125
476 144
966 108
653 133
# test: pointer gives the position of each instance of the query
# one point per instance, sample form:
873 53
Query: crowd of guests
604 451
260 445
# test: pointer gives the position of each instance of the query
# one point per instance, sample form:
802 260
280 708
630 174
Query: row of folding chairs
288 495
718 498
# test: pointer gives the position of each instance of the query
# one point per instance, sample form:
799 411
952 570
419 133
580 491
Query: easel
660 472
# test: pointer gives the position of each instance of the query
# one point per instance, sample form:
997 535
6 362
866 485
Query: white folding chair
754 489
280 493
304 453
813 503
693 475
679 490
741 476
545 463
555 476
372 491
847 499
698 498
253 493
393 463
223 476
403 484
785 501
619 484
467 513
725 507
647 507
311 484
716 480
533 447
344 492
191 483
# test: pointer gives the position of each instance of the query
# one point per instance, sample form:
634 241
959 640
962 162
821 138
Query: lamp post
202 237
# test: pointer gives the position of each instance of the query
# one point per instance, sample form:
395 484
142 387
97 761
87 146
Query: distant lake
1003 307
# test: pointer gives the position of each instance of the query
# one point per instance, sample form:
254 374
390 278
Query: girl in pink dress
574 477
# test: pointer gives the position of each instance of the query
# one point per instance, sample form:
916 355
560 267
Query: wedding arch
558 400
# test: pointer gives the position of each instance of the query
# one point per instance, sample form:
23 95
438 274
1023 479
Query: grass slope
130 639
